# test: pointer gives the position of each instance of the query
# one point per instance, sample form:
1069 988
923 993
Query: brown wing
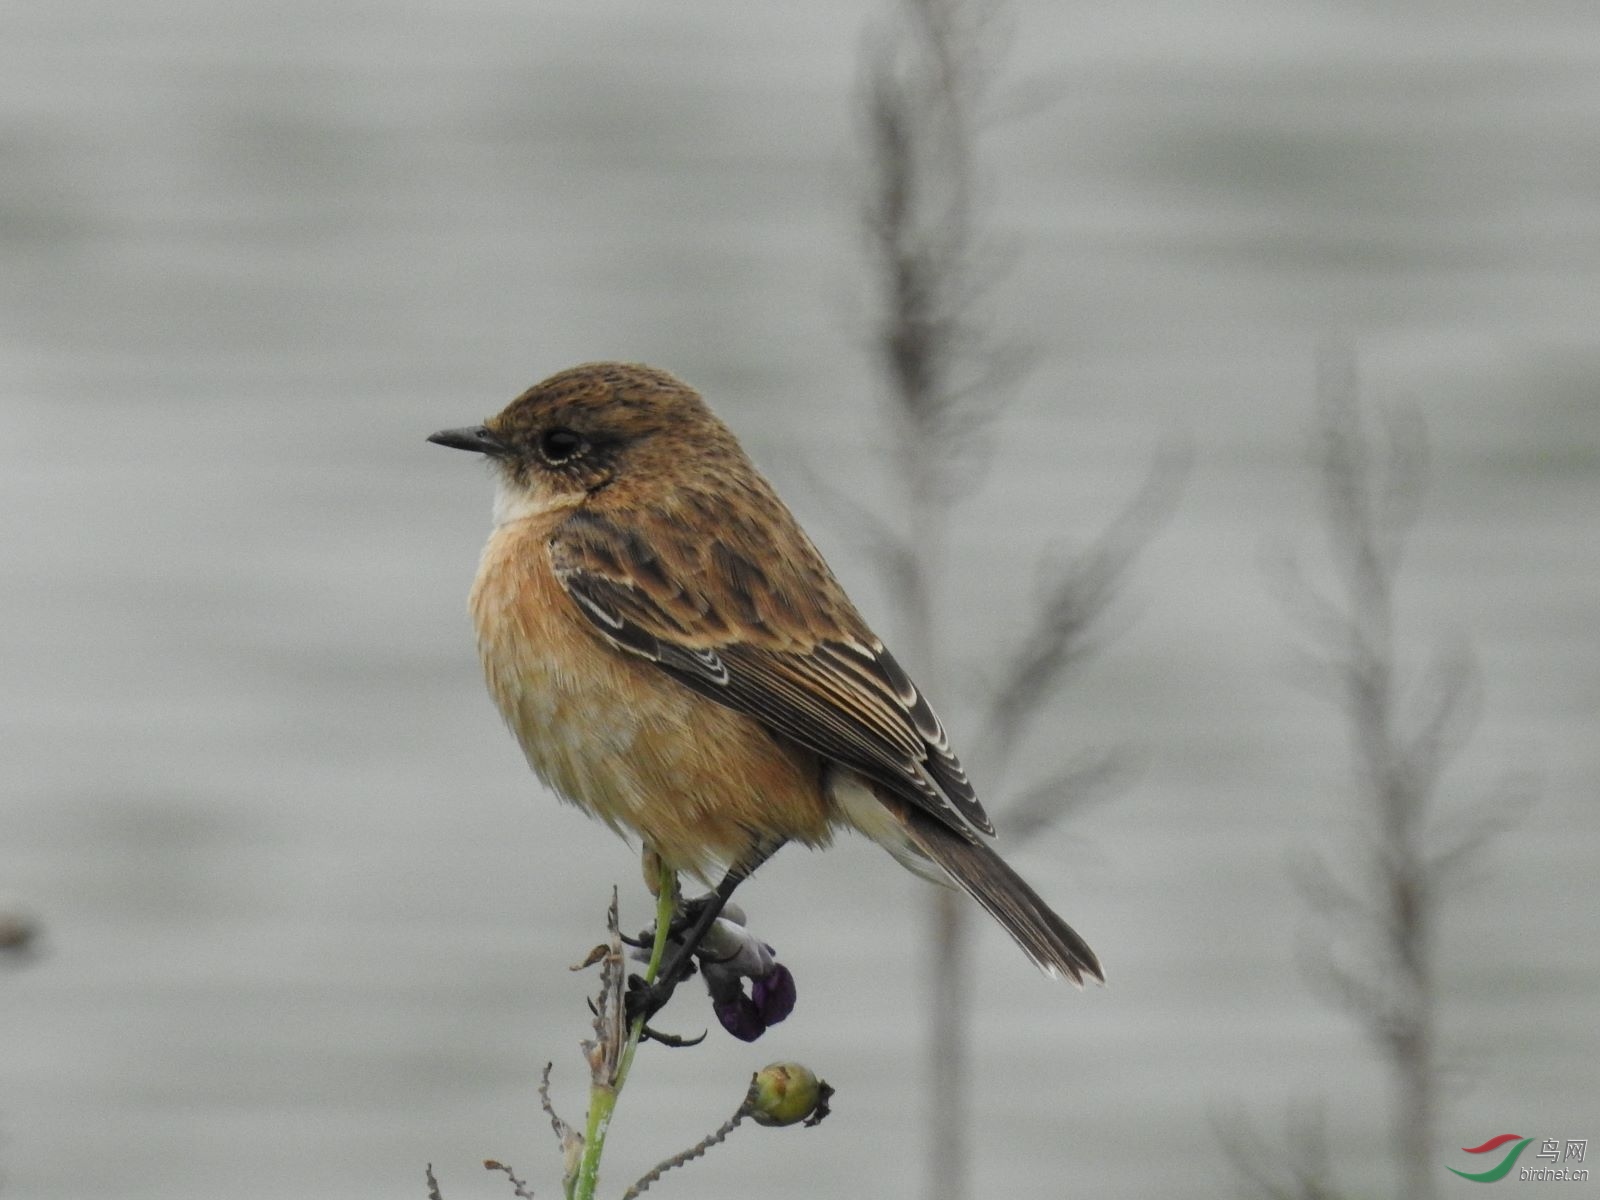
768 634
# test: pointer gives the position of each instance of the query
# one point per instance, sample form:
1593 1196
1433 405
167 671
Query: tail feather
1052 944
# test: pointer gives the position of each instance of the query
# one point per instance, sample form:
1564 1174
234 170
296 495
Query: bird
676 658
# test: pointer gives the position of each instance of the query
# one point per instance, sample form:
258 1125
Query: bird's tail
1052 944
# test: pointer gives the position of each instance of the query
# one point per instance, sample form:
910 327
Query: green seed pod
785 1093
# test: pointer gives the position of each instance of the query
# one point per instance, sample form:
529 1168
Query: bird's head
586 429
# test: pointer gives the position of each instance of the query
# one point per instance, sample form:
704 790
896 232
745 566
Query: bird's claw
682 921
671 1040
688 913
644 1000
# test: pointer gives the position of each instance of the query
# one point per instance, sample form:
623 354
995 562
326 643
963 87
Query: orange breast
617 736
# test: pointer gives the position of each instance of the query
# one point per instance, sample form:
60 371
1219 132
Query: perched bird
676 658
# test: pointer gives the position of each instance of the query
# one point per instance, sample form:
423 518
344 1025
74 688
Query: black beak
476 438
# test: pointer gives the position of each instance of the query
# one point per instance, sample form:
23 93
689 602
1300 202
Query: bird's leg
647 999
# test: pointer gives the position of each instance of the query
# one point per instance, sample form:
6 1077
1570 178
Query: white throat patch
513 504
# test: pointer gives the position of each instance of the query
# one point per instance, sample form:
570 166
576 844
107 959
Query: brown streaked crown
590 423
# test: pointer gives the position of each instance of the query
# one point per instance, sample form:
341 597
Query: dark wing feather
739 634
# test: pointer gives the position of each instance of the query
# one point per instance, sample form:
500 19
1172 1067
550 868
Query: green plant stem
603 1093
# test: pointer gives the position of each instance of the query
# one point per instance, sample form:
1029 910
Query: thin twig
570 1140
1305 1172
1072 603
616 1039
1378 914
562 1129
610 1028
948 379
1085 780
520 1188
715 1137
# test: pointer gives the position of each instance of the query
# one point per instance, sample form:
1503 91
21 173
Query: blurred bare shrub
20 935
1376 904
1301 1169
926 77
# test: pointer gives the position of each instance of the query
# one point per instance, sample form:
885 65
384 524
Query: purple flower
774 994
729 956
739 1016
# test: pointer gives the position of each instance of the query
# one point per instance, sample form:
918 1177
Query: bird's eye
557 446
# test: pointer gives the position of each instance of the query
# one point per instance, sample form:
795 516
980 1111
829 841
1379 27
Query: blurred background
302 915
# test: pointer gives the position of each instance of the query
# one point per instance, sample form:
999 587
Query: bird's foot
683 921
688 915
643 1001
671 1040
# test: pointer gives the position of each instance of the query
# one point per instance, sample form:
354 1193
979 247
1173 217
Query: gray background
307 916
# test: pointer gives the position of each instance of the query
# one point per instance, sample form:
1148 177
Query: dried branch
1363 989
886 546
1329 896
20 934
1457 838
1087 779
948 379
1449 702
605 1051
1374 955
698 1150
948 376
561 1128
1300 1169
919 89
1071 606
519 1187
1321 617
1403 479
569 1139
